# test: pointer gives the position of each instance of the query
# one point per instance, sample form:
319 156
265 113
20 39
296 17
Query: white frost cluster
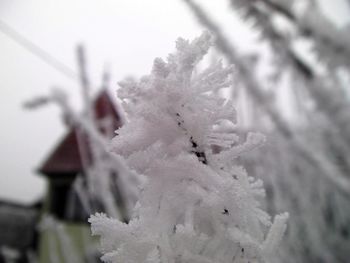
196 205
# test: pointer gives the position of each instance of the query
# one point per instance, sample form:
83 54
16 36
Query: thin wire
37 51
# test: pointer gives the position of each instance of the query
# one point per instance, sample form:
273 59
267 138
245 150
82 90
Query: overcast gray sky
126 34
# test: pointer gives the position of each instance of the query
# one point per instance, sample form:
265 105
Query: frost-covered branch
197 204
326 168
331 44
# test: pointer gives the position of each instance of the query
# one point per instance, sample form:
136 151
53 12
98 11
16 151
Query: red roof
65 158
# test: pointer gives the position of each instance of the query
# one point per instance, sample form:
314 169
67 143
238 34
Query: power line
37 51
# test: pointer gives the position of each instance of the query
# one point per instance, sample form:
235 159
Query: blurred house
68 160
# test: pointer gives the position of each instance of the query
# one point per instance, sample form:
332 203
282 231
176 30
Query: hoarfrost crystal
196 204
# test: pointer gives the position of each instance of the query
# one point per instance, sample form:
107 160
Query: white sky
126 34
337 11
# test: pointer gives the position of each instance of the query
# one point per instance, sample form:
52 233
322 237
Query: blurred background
292 61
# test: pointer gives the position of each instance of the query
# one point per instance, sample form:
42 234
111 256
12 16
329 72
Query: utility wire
37 51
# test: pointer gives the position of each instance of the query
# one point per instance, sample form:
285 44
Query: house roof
66 158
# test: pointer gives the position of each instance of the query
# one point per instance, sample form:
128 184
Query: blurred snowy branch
312 148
